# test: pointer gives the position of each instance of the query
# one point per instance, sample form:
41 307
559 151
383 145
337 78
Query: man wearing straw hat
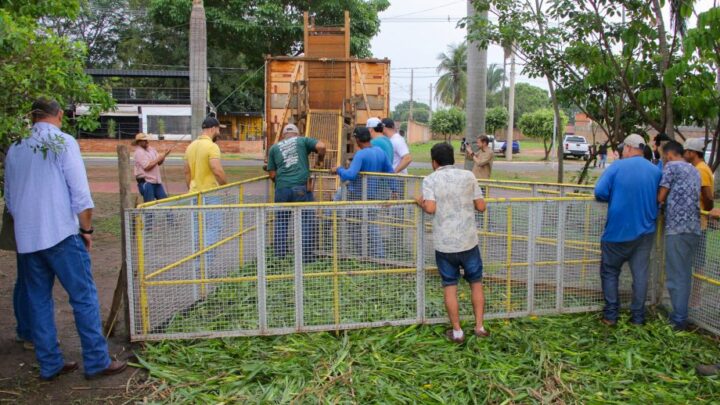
630 187
147 169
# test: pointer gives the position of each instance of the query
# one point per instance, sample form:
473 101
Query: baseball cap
636 141
290 128
388 123
362 134
211 122
696 144
373 122
141 137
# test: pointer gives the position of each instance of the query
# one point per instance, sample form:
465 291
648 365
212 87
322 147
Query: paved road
95 161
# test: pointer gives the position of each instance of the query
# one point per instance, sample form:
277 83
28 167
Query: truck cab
576 146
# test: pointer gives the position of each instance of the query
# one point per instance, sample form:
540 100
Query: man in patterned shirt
453 195
680 192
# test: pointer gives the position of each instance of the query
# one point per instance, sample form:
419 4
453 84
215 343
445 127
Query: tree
100 24
529 98
540 125
476 100
495 78
451 87
36 62
496 118
448 122
240 34
421 112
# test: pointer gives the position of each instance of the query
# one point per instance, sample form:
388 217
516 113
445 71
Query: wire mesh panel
222 264
704 308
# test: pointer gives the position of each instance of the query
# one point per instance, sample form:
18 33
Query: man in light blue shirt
47 194
630 188
368 159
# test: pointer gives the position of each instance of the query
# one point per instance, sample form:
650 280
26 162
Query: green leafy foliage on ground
570 359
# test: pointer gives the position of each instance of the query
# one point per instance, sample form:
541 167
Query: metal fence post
297 240
559 270
535 212
420 263
364 224
261 269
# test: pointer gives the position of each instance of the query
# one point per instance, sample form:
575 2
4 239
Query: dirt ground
19 381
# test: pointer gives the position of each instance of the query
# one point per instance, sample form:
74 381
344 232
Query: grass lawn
562 359
421 152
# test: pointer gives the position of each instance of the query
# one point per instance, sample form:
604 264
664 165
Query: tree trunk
664 65
558 132
476 90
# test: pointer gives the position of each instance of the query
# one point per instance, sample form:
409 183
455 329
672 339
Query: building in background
241 126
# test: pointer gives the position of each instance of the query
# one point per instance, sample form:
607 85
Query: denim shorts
449 266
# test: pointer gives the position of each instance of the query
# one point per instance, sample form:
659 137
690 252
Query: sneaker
708 370
482 333
452 338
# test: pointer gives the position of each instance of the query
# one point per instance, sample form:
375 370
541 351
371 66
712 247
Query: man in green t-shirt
289 168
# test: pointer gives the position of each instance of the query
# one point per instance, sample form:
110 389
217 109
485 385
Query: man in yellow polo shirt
203 169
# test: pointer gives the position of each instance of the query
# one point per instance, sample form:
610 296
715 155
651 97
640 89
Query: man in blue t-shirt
378 138
630 188
368 159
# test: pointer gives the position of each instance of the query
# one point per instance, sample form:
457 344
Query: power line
429 9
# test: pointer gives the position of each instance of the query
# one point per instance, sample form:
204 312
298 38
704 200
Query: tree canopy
421 112
37 62
540 124
153 34
448 122
495 119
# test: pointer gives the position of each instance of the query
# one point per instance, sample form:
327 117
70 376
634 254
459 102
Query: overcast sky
414 32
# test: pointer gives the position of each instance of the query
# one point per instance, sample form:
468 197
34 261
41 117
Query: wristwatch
87 231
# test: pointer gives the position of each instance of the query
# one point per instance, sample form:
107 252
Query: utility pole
412 86
198 67
430 102
511 111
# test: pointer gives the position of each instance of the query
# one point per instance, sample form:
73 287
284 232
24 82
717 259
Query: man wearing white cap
379 139
694 154
147 169
289 168
630 187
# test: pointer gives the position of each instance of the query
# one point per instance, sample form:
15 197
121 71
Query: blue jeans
678 269
21 305
151 192
282 219
603 160
70 263
449 266
614 255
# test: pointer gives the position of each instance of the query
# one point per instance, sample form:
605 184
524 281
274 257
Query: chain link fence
229 263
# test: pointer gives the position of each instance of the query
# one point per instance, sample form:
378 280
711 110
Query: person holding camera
147 168
482 159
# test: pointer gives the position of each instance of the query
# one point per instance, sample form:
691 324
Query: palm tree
495 78
452 85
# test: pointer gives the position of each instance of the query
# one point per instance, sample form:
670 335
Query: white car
576 146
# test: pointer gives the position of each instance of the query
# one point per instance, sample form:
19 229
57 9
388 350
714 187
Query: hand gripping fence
227 262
